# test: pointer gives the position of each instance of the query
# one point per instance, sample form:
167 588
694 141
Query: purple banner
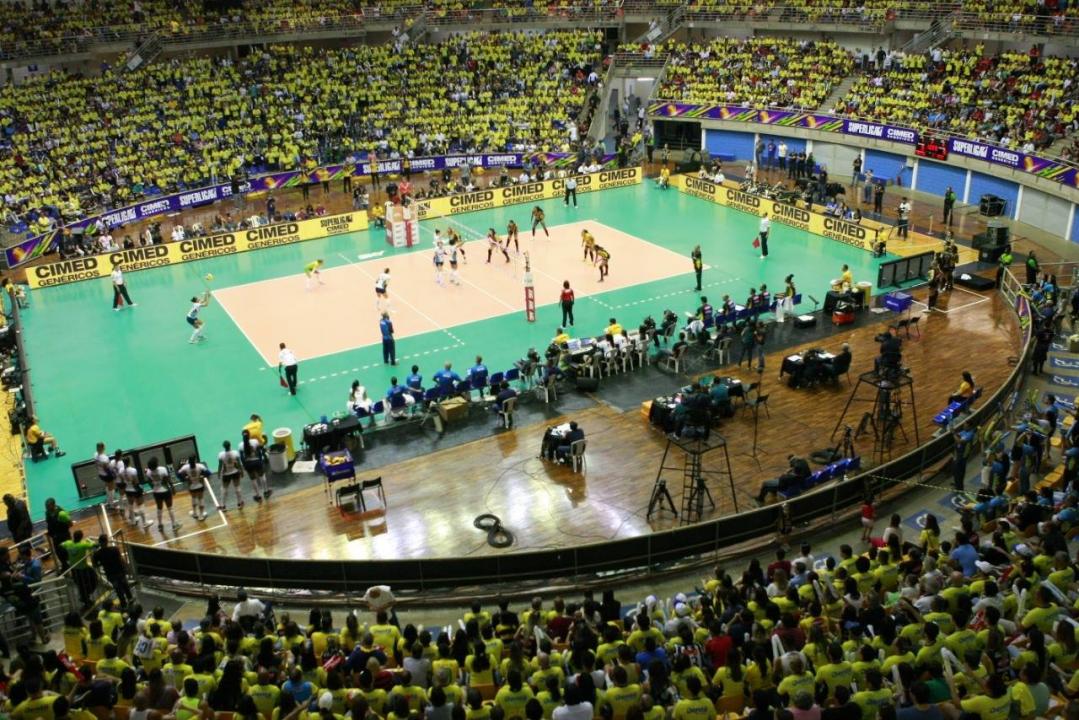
161 204
1042 167
881 132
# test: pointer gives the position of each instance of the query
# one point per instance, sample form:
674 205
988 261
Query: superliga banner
526 193
861 235
93 267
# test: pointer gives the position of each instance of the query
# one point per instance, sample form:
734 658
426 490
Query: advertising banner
520 194
1023 162
861 235
178 202
62 272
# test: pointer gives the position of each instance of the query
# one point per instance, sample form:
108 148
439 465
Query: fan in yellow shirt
513 696
694 706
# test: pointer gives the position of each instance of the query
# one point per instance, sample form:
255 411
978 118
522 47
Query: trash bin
284 436
278 458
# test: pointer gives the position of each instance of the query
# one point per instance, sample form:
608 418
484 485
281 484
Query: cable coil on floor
497 535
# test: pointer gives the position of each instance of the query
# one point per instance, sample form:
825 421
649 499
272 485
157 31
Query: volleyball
209 277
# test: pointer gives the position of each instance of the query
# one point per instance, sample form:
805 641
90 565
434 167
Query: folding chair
375 485
505 415
914 324
759 402
576 455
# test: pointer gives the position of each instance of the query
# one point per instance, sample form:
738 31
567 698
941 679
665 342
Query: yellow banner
520 194
172 253
861 235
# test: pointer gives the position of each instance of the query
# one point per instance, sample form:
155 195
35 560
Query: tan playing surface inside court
341 314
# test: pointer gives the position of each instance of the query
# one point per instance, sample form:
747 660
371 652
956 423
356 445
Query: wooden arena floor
432 500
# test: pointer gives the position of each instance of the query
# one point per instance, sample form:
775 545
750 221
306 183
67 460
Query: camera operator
794 477
890 360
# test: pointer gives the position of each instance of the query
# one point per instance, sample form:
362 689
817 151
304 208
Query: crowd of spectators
973 621
1020 100
69 142
759 71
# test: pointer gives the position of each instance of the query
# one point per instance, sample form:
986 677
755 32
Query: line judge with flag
119 289
286 360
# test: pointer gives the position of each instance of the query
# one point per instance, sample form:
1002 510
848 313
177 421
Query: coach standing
287 359
949 205
765 228
571 190
389 345
119 289
698 265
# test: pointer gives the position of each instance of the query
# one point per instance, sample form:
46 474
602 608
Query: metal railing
592 15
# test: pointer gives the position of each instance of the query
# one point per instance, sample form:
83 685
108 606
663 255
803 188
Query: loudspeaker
991 205
586 383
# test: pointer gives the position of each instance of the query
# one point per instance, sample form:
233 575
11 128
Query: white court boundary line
457 342
980 300
185 536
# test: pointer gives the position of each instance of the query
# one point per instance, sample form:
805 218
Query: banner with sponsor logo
520 194
178 202
1042 167
92 267
861 235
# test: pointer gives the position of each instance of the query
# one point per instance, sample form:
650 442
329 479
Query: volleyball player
254 462
193 316
132 490
537 219
161 487
229 470
116 468
492 243
589 244
382 284
511 234
105 475
454 277
457 242
311 271
439 260
196 475
602 260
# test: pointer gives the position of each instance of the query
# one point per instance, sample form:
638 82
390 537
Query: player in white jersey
161 487
454 277
197 477
382 289
193 320
254 461
127 476
106 476
439 260
229 471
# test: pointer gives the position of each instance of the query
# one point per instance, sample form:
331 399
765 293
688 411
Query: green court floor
130 378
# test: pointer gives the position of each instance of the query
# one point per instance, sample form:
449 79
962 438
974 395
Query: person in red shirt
781 563
717 646
567 298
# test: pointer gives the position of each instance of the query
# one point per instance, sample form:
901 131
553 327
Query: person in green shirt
77 550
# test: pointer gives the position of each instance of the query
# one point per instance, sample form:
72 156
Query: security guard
1005 260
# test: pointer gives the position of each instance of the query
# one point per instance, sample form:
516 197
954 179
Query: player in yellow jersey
589 244
311 271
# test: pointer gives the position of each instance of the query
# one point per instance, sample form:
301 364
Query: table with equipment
804 367
331 434
337 465
661 412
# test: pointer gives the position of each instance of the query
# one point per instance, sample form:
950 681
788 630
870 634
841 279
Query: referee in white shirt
765 227
287 359
119 289
571 190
